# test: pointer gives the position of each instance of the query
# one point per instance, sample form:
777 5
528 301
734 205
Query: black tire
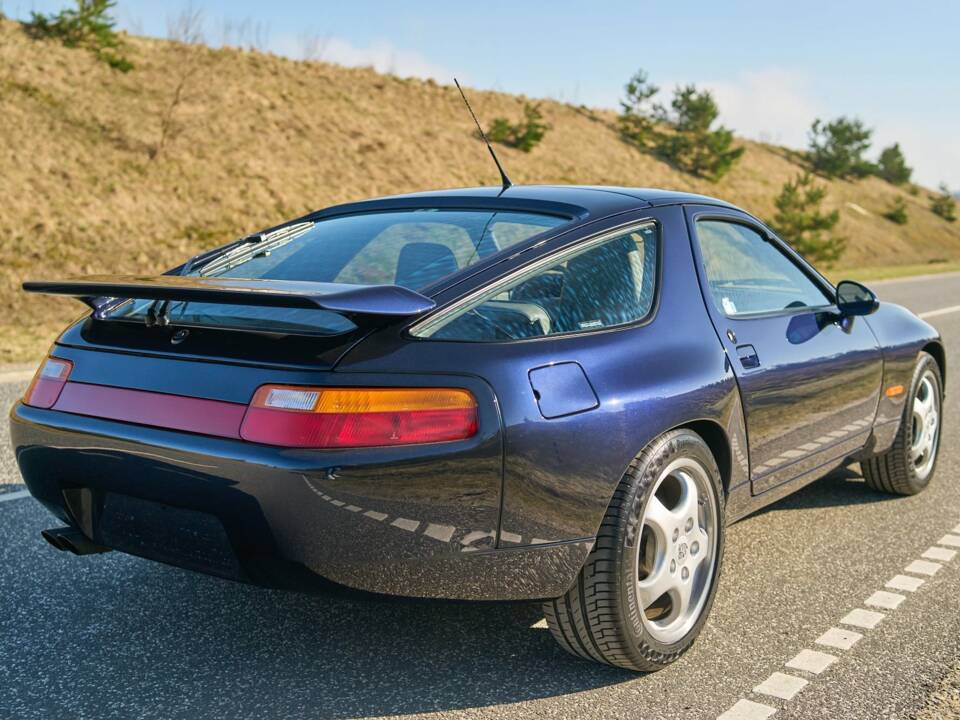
894 471
599 617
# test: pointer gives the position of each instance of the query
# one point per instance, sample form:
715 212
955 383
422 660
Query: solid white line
840 639
747 710
923 567
812 661
867 619
940 311
781 685
16 376
939 553
904 582
15 495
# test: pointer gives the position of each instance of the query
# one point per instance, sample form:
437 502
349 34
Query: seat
603 288
422 263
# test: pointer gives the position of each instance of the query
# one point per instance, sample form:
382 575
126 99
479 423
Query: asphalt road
112 636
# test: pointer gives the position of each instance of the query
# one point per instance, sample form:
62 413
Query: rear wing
362 302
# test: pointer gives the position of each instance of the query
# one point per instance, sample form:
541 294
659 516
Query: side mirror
855 299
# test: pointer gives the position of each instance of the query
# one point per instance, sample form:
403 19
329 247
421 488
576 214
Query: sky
773 67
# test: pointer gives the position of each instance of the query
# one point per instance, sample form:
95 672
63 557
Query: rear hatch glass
410 248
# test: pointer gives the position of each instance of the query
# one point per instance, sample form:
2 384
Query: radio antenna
504 180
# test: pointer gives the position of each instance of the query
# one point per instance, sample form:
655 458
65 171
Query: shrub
681 135
892 166
638 115
944 204
897 212
87 26
523 136
837 148
800 221
691 145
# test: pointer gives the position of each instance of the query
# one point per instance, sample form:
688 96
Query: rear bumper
380 520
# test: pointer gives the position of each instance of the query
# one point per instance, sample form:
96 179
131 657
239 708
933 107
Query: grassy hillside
257 139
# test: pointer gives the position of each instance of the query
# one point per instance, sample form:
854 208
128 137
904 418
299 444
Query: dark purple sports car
550 393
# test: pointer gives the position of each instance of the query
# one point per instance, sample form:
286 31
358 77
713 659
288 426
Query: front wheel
907 467
648 584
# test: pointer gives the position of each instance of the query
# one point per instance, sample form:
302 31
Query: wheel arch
716 439
935 349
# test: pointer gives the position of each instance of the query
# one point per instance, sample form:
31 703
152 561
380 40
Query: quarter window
748 274
607 282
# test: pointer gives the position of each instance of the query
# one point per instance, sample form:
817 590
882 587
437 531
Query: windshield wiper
225 258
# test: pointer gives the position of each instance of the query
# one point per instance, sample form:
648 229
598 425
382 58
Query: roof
584 200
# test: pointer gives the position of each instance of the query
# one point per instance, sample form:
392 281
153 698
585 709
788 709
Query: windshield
411 248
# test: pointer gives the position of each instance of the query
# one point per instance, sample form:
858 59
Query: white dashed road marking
443 533
923 567
839 638
939 553
785 686
748 710
15 495
884 599
812 661
781 685
405 524
904 582
376 515
863 618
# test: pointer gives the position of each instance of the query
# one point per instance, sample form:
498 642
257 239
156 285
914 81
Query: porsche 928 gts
561 394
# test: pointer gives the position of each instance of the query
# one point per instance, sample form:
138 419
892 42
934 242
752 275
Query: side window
747 274
607 282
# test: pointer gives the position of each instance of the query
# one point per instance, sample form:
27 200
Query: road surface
112 636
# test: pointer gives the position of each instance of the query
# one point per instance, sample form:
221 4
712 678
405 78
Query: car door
809 379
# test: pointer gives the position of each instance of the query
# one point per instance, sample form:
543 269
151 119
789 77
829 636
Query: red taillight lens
294 416
48 382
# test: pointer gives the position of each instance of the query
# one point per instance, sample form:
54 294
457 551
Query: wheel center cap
682 549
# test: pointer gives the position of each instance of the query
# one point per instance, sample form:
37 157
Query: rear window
410 248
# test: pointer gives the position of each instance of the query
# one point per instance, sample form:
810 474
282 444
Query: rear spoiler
363 302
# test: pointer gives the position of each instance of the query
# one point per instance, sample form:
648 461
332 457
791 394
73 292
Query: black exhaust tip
70 539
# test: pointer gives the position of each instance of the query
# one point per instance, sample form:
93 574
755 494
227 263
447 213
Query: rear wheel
644 593
907 467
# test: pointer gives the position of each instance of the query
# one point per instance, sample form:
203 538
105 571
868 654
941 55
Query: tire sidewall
675 444
925 362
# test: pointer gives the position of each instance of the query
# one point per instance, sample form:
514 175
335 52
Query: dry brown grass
258 139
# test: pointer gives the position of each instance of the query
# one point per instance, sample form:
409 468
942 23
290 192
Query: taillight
48 382
294 416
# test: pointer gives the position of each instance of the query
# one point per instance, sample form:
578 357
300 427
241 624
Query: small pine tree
837 148
800 221
693 146
944 204
897 212
525 135
638 115
88 26
892 166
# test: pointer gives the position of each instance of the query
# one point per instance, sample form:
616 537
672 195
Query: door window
747 274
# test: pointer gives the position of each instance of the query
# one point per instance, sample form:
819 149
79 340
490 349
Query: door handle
748 357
